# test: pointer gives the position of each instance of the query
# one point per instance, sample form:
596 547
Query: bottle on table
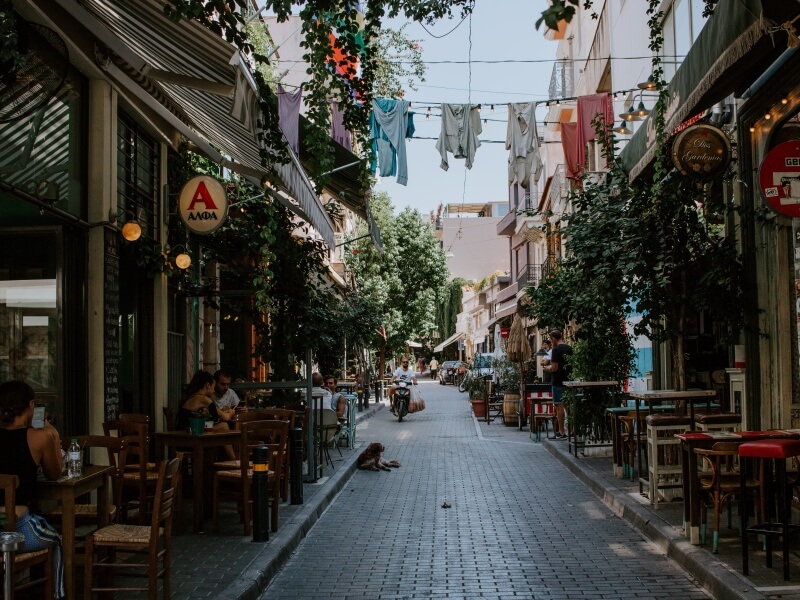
74 462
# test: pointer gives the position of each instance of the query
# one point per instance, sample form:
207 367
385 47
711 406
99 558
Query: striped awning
453 338
201 85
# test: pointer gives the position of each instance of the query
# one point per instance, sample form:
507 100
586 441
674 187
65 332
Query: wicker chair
152 540
26 560
237 483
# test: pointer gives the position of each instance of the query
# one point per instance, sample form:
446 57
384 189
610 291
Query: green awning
732 51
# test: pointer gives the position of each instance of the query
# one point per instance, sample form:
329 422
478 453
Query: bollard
261 494
296 464
10 543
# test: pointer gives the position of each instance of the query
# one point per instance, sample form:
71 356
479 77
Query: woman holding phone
23 450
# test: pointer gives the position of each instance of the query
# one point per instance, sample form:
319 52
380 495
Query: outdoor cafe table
691 482
591 387
199 444
65 491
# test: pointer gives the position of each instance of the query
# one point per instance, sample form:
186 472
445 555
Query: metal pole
312 458
296 465
10 543
261 494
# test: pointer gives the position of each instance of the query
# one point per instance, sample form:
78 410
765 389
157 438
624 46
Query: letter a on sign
203 205
202 195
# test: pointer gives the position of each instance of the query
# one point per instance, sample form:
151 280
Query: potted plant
508 379
477 396
197 422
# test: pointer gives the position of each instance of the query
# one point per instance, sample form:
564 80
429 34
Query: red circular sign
779 178
504 332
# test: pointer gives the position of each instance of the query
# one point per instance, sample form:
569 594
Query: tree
405 278
394 51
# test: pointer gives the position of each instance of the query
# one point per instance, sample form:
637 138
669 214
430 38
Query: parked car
448 372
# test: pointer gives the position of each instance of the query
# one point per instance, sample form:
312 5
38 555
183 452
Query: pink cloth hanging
573 158
589 107
289 116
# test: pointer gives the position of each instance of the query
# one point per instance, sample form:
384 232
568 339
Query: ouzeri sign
203 205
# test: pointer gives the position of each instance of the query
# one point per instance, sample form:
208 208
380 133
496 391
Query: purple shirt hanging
289 116
338 131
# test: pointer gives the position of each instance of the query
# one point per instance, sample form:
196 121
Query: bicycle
465 381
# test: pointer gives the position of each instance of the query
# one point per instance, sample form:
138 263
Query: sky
500 30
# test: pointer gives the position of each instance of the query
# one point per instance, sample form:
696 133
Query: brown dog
370 459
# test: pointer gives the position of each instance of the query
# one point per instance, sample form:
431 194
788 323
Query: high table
691 483
198 444
594 388
615 412
65 491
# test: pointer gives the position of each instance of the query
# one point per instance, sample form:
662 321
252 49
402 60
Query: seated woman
197 398
22 451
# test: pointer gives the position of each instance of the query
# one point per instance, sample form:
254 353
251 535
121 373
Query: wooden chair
117 450
494 402
152 540
543 414
26 560
720 483
274 414
238 482
631 443
139 474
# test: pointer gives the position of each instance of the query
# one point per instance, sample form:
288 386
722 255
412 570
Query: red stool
776 451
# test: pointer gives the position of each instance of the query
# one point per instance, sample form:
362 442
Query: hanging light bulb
428 112
630 115
491 107
767 116
427 116
622 129
752 129
131 230
547 104
648 85
479 108
784 100
486 121
183 261
558 102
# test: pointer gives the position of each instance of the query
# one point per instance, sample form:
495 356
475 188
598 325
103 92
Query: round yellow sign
203 205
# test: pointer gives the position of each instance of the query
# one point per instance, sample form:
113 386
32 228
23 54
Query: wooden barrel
510 408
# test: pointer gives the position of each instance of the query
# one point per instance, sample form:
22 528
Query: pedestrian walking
433 366
420 365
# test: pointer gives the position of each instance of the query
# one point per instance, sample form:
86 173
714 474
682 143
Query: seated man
223 395
338 401
318 383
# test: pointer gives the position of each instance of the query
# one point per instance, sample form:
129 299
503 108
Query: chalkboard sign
111 324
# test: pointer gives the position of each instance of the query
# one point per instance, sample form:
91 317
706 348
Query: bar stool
770 452
718 422
661 430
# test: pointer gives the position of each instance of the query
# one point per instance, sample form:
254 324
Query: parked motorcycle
402 398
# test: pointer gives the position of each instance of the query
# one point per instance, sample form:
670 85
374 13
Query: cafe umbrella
518 350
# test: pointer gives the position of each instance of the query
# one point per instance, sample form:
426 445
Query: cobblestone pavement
520 525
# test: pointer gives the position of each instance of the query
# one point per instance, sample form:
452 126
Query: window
683 22
138 177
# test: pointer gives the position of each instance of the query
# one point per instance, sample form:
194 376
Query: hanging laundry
339 132
522 141
289 116
569 141
461 124
589 109
389 127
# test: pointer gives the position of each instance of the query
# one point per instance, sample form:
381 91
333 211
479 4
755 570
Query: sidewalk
720 574
229 564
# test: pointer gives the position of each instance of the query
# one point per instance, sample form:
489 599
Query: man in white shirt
338 401
318 381
223 395
402 373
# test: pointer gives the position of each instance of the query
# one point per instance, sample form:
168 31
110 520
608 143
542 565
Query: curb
716 577
253 581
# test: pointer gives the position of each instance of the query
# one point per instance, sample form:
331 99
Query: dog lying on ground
370 459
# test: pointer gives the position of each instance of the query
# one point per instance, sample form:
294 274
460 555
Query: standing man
223 395
560 370
548 348
433 366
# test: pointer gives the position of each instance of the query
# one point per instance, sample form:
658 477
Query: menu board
111 324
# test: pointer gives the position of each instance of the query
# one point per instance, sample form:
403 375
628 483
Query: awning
453 338
198 83
734 47
411 344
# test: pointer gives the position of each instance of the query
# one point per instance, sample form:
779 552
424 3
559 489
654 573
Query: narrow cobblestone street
520 526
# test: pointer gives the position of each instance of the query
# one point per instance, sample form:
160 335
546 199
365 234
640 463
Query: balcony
533 275
562 83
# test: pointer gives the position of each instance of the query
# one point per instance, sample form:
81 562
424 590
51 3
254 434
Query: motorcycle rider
402 373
